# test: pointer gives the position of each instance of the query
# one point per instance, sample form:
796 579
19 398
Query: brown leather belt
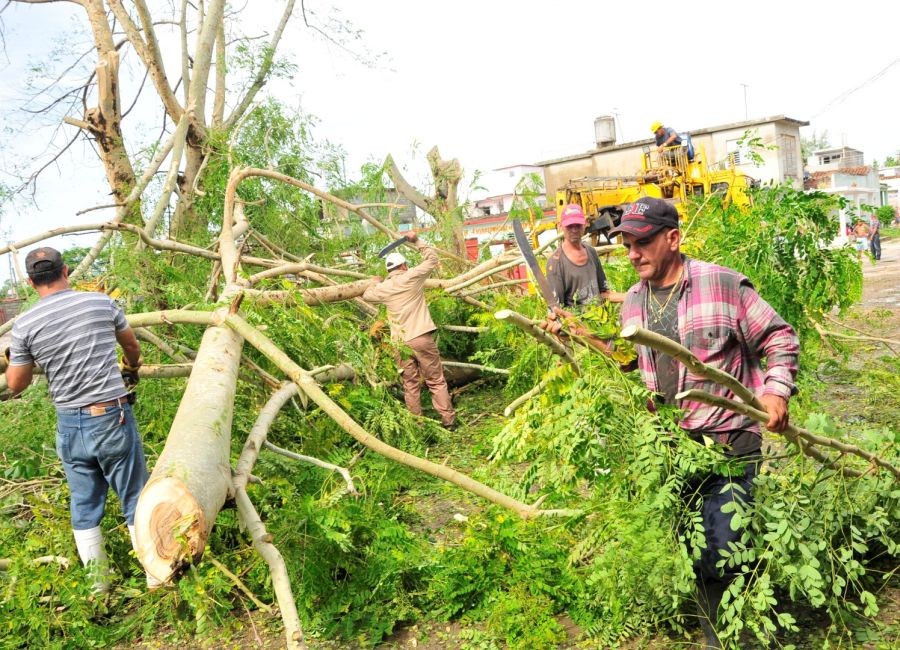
112 402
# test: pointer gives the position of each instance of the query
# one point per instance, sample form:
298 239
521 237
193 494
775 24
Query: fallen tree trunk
192 477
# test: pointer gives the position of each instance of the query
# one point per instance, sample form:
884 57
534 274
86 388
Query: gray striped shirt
72 336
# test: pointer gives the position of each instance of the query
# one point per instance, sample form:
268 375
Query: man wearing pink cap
574 270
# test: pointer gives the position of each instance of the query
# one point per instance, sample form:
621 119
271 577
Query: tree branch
792 432
309 386
527 325
265 67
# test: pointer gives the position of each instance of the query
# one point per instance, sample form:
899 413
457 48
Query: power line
844 95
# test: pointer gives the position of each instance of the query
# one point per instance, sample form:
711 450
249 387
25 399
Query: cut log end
170 528
628 332
503 314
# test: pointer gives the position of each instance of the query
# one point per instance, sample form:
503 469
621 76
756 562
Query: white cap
393 260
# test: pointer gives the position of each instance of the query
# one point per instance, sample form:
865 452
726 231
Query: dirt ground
881 286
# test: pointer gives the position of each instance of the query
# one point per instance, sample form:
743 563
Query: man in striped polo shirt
72 336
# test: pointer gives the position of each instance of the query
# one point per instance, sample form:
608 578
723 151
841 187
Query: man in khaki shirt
403 293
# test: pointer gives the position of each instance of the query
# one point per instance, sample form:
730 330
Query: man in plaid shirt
716 313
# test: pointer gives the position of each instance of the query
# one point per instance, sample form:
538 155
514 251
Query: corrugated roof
863 170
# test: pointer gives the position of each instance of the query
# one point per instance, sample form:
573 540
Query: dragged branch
527 325
792 432
645 337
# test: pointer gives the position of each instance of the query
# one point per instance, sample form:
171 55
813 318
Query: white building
890 182
498 188
859 185
837 158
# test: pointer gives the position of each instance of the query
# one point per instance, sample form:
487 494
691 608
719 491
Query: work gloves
129 373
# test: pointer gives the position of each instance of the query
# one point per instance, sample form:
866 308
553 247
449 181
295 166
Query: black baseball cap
646 217
41 260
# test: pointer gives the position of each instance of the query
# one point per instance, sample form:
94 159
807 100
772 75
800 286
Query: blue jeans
99 452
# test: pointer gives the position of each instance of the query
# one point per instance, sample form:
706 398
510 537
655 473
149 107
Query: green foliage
813 143
782 243
886 214
510 571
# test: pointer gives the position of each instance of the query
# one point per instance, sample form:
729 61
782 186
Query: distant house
498 189
488 218
859 185
841 157
889 177
719 143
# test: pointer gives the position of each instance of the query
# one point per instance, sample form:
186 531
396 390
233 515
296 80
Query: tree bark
527 325
104 121
192 477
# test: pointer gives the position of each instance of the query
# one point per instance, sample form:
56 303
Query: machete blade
394 244
536 271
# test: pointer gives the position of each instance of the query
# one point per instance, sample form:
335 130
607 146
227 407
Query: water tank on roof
605 131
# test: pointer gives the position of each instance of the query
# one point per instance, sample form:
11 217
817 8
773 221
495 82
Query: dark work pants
875 246
708 494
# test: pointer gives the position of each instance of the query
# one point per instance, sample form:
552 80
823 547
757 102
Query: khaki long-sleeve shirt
403 293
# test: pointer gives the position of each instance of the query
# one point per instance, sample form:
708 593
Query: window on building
831 158
787 155
486 209
737 155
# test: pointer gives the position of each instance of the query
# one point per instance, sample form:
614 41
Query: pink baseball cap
571 214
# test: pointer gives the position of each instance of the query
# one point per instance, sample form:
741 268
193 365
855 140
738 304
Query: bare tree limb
521 399
148 51
206 40
239 584
265 67
345 474
280 579
218 114
475 366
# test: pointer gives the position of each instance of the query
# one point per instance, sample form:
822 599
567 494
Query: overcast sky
496 83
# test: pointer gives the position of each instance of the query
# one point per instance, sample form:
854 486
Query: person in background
861 232
403 293
574 270
875 237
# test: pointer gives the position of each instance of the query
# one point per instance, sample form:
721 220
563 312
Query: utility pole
746 112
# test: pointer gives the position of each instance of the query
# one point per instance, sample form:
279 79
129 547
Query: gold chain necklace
660 308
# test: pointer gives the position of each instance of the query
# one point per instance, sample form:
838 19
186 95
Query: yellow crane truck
675 174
